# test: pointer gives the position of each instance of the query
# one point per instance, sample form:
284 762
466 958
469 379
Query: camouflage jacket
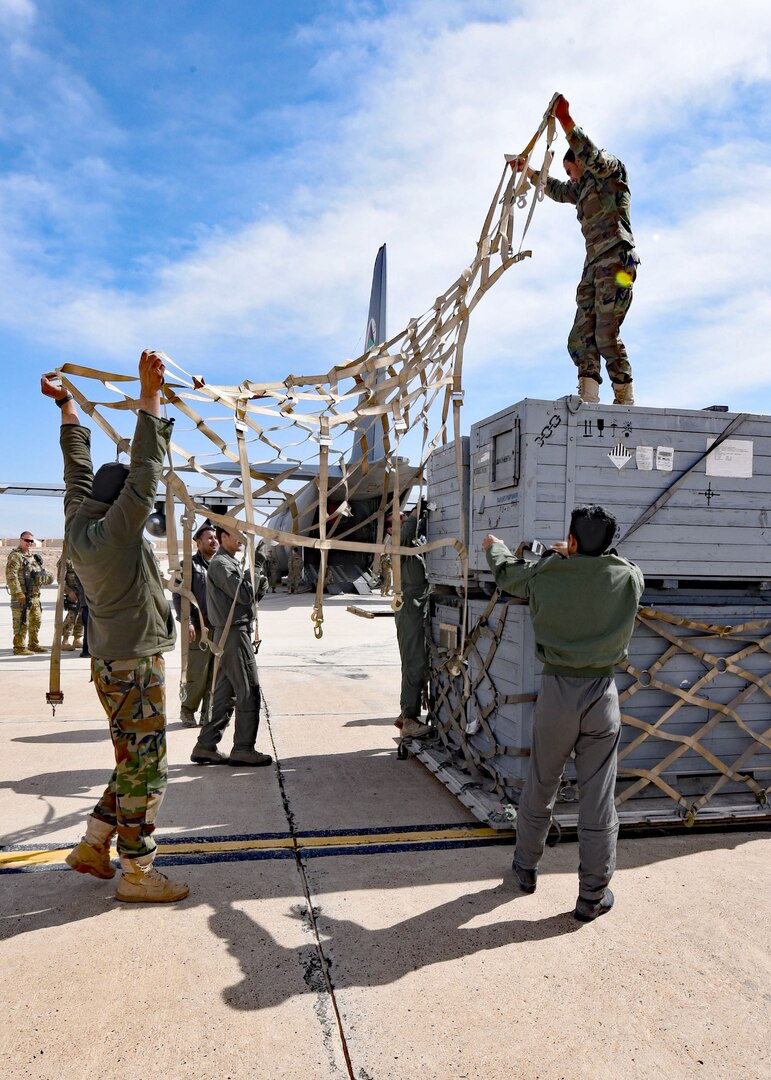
71 584
601 197
25 576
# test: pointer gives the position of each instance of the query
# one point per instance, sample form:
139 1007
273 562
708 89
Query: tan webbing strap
55 696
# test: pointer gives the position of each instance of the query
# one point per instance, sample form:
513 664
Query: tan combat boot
92 854
413 728
66 645
623 393
589 390
141 883
77 644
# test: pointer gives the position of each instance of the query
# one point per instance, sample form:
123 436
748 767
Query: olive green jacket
582 608
129 615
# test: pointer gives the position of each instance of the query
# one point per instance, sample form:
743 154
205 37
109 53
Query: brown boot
141 883
19 650
92 854
37 648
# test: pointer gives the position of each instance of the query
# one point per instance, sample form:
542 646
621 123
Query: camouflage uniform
294 572
72 627
25 576
385 574
272 570
602 200
132 693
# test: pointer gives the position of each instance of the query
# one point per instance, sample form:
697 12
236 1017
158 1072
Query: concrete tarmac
347 917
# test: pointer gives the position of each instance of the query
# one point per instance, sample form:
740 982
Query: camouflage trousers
72 625
603 297
31 623
133 695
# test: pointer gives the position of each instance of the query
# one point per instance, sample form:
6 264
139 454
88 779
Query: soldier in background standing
72 627
25 576
272 570
200 658
411 628
232 598
295 570
384 570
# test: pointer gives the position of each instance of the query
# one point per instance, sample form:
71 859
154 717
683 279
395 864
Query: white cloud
431 104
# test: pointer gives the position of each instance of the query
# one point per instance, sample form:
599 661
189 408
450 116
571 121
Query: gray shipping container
710 513
695 702
446 498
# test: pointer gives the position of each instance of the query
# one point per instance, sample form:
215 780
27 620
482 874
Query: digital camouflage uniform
385 574
72 627
411 622
130 623
25 576
602 200
294 571
272 570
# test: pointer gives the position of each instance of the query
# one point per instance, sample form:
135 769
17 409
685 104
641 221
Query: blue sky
215 180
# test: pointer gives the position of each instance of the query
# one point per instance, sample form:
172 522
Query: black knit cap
109 481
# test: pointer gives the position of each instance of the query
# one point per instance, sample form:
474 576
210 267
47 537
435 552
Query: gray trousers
198 673
581 715
237 687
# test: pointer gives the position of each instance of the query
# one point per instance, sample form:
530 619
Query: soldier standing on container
295 568
25 576
237 686
130 627
200 658
583 601
411 628
72 627
598 187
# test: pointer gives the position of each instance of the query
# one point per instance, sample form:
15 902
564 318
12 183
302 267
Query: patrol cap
109 481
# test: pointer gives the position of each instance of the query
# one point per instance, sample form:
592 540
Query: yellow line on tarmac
48 856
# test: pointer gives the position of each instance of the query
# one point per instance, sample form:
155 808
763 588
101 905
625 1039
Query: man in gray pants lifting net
583 599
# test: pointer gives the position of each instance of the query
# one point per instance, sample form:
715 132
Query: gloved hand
38 558
562 111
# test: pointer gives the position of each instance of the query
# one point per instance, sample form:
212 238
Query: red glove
562 111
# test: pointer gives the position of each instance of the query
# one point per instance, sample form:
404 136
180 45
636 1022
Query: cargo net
326 425
467 707
706 690
713 731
